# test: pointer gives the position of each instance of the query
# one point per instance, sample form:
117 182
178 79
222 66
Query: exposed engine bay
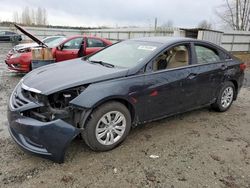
54 106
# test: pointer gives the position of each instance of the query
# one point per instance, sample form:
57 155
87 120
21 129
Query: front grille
23 99
31 96
19 100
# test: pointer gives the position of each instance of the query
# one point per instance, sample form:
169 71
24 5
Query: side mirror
85 58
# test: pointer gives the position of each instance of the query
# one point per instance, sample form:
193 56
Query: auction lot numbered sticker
148 48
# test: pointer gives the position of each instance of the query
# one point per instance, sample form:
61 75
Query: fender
119 89
232 74
235 75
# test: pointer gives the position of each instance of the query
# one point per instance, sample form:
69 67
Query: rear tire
225 97
108 125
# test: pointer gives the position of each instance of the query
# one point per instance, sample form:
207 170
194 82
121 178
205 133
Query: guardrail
123 35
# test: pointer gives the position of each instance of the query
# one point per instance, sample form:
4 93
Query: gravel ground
202 148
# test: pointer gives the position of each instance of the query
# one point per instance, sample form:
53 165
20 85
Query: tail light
243 66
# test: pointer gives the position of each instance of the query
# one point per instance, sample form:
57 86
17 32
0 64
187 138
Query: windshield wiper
103 63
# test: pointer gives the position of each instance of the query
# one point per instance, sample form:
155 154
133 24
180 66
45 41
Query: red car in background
73 47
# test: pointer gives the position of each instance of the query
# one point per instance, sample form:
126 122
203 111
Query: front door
167 89
69 50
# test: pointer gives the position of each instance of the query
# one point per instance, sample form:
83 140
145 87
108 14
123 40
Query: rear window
95 43
206 55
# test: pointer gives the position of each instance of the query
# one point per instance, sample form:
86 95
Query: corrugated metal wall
235 41
211 36
129 33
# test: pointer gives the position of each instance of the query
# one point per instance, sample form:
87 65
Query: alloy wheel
227 97
110 128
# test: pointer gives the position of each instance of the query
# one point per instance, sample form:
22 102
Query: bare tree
33 17
204 24
16 17
26 19
45 17
236 14
30 16
41 16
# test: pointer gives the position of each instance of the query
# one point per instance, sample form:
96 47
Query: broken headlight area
60 100
55 106
24 50
47 113
34 97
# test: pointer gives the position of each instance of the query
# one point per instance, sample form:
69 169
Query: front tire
107 127
225 97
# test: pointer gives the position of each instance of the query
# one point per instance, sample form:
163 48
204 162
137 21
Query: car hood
59 76
35 39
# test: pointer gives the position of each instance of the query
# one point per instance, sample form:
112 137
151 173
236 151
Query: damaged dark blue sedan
132 82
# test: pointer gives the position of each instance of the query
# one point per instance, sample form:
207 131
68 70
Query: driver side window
73 44
175 57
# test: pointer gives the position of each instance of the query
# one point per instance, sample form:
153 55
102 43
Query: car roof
84 35
54 36
167 42
164 40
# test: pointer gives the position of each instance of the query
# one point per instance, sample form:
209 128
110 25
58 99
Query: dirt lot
202 148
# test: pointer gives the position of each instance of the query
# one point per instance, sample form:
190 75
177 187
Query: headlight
15 56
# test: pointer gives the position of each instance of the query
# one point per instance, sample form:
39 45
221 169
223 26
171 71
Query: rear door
94 45
208 72
69 50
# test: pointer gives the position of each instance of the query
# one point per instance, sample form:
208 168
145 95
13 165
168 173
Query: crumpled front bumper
47 139
17 65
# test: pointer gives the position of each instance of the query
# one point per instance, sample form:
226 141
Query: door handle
223 67
191 76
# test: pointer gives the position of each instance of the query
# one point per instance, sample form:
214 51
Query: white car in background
33 44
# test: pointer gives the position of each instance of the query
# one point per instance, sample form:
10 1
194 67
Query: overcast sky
183 13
